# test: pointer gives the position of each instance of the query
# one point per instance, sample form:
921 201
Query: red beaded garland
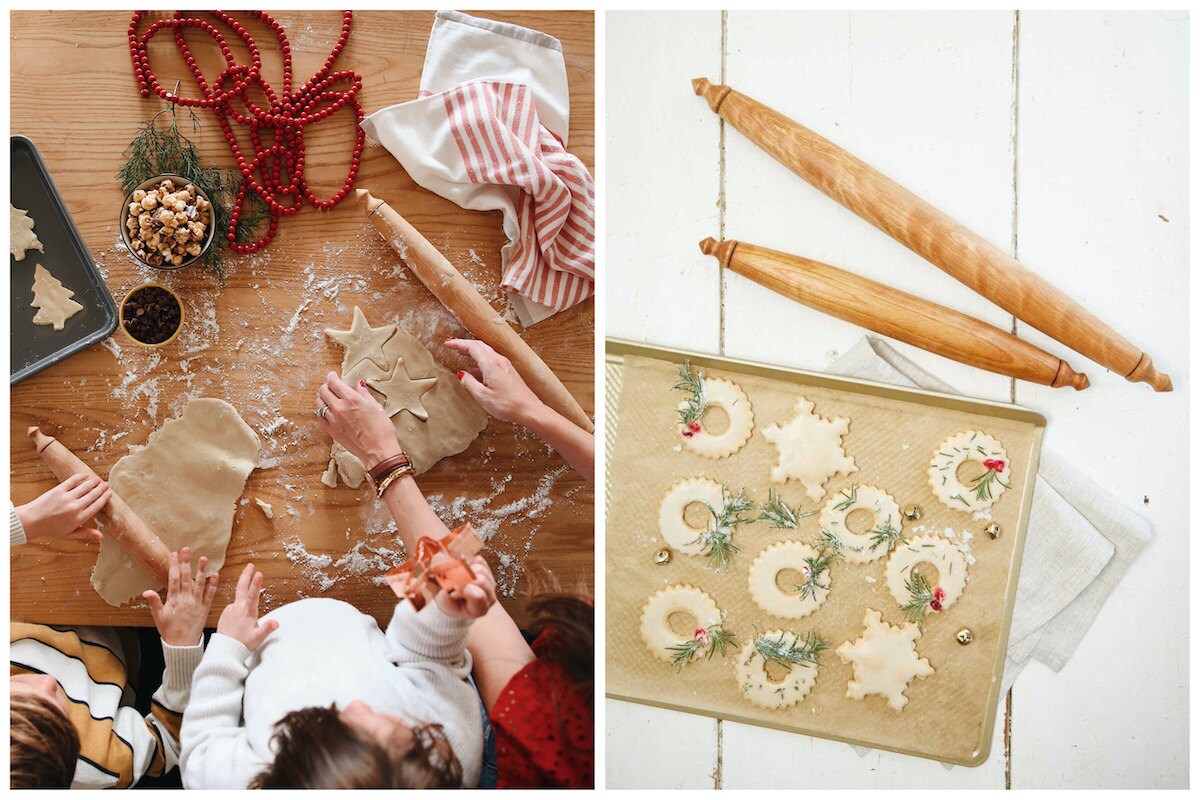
275 171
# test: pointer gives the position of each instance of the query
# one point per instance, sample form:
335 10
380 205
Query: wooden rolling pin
895 313
465 302
962 253
119 520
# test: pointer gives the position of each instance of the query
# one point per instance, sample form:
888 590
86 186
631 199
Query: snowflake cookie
810 449
978 492
787 651
715 392
884 533
806 596
912 591
662 639
885 660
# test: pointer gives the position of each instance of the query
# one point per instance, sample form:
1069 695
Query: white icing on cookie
984 490
674 528
756 684
656 614
729 397
880 537
885 660
767 594
810 449
949 561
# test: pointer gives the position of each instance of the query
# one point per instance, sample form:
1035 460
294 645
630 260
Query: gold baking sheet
893 434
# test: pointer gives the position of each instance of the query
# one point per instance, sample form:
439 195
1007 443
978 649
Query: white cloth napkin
489 132
1079 544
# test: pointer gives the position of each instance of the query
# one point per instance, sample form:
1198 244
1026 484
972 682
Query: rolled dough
21 238
184 483
454 418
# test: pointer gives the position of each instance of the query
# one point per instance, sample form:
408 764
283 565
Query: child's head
358 748
44 744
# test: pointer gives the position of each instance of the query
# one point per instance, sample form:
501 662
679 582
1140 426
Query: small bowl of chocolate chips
151 315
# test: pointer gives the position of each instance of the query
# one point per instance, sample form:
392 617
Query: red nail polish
362 382
460 374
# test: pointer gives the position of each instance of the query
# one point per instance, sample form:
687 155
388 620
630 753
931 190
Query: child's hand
474 599
239 620
59 513
180 621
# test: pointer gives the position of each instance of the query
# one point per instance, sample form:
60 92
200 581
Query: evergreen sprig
788 654
717 539
849 498
776 512
983 484
693 385
921 596
887 535
710 640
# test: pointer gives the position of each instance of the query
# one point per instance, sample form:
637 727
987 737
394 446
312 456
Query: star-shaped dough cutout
885 660
401 392
810 449
22 239
362 342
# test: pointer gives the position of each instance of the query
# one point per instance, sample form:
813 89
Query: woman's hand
180 621
356 421
502 392
474 599
239 620
59 513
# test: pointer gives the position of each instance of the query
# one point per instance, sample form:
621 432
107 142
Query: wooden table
1062 136
258 341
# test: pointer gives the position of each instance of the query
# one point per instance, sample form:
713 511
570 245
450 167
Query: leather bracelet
383 467
395 472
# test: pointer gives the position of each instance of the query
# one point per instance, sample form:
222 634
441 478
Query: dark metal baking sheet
33 348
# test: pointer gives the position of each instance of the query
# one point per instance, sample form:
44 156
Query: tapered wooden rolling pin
895 313
949 245
465 302
119 520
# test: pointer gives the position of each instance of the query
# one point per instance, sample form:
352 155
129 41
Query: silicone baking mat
893 436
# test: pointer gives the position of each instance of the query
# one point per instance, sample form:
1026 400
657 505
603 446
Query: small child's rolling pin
945 243
465 302
895 313
119 520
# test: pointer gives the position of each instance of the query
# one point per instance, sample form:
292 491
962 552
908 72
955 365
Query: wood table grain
258 341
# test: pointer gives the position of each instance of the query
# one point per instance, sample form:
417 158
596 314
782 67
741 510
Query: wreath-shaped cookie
912 591
786 651
806 596
884 533
709 635
703 393
980 491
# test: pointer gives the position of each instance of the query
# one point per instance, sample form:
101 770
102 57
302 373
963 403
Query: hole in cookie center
860 520
776 672
715 420
787 579
696 516
929 572
969 471
683 624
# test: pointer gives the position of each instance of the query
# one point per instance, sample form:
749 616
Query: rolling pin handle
1145 371
712 93
1069 377
722 250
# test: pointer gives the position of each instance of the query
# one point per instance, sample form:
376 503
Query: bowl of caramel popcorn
167 222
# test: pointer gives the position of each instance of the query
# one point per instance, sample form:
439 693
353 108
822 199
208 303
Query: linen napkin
1080 542
489 132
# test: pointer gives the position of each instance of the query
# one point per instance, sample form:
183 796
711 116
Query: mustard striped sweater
118 744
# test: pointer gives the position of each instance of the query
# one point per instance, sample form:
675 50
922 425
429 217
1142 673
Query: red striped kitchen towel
489 132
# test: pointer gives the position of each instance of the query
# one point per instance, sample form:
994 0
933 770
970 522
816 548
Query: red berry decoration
935 604
994 464
688 433
694 427
277 171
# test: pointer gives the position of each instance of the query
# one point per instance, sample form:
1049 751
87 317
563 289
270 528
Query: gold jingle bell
965 636
662 556
993 530
912 512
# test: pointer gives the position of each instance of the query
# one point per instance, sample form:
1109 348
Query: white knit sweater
326 651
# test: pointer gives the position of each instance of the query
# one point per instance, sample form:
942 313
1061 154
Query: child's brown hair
315 749
44 744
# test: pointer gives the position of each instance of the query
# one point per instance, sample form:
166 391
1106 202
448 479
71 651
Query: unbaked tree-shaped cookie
885 660
810 449
52 300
